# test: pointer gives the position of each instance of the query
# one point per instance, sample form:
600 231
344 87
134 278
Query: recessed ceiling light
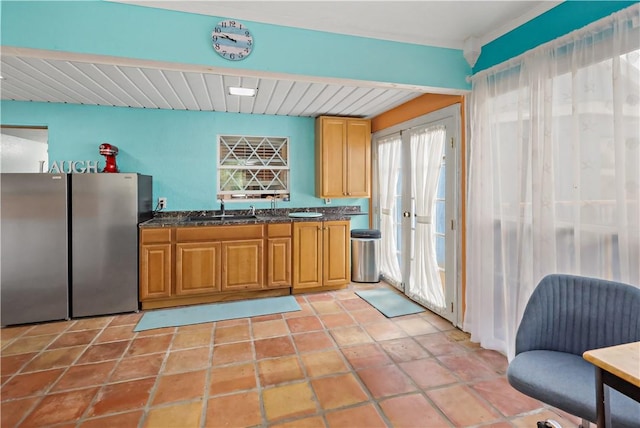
243 92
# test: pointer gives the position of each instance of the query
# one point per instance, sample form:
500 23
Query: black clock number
217 46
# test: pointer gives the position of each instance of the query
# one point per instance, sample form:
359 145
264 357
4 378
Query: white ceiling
442 23
34 75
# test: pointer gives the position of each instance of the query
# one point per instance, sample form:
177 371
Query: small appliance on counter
69 244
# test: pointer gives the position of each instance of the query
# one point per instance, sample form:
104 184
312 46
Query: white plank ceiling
33 75
31 78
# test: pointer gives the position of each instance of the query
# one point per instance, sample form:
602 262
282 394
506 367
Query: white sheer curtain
389 159
426 157
554 172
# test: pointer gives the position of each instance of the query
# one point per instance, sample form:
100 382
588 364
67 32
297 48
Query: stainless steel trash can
365 255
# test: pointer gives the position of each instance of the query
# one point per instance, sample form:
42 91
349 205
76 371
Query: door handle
406 214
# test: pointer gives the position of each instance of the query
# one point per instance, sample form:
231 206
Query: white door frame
453 286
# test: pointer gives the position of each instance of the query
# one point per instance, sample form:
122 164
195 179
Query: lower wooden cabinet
279 255
279 266
155 271
155 264
242 265
187 265
198 266
336 253
321 254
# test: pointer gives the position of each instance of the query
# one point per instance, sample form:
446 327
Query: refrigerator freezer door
34 275
104 244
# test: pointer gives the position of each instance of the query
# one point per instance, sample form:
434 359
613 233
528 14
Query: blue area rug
216 312
390 303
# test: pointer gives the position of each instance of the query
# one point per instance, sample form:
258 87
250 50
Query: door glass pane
440 214
440 251
442 182
440 217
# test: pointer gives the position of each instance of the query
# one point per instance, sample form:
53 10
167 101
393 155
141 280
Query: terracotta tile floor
336 363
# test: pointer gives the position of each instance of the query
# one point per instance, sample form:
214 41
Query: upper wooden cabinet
343 157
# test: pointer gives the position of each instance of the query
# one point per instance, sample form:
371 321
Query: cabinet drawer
278 230
194 234
155 236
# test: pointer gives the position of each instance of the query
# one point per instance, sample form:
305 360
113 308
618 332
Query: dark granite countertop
277 215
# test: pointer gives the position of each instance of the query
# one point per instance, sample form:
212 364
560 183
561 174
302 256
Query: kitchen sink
242 217
221 217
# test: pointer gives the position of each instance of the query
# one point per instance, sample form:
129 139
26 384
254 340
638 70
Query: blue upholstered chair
566 316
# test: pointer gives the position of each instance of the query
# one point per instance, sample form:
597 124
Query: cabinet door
279 267
197 268
307 254
358 158
242 265
331 156
155 271
336 253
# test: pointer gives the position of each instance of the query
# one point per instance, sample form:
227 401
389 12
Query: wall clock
232 40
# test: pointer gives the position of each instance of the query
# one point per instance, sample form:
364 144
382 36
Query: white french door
416 201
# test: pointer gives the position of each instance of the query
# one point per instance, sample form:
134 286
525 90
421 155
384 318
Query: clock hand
224 36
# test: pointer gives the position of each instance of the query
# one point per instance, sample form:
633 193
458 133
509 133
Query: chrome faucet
222 206
274 202
253 209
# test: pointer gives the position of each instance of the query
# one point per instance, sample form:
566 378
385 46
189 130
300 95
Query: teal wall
562 19
178 148
104 28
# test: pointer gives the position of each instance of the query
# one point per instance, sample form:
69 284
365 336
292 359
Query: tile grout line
36 353
208 380
45 392
145 408
84 414
361 322
353 372
320 411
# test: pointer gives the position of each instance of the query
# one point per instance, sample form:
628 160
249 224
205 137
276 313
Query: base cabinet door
198 267
155 271
321 254
336 253
242 265
307 254
279 257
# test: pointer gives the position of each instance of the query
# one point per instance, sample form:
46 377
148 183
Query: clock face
232 40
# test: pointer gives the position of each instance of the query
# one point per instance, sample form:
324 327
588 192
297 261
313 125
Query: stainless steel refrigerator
34 252
79 259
